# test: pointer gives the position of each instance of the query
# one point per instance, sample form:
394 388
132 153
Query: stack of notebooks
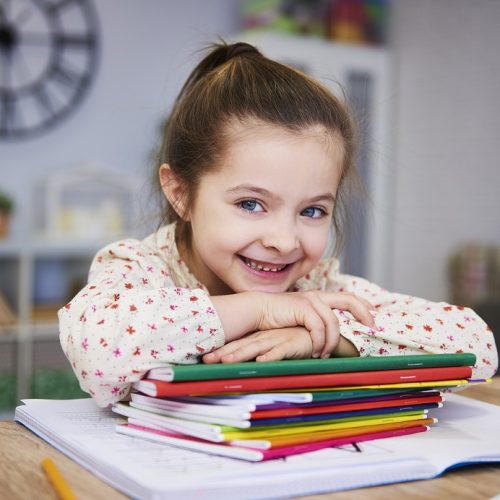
260 411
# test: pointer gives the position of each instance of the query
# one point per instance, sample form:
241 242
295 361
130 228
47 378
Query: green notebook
182 373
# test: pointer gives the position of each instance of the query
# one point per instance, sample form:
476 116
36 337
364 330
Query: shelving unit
44 269
19 286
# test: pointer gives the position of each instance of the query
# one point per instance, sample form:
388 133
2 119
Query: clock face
48 57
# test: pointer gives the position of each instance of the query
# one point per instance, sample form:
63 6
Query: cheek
316 243
223 237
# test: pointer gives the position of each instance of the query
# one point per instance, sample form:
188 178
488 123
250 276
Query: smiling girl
254 168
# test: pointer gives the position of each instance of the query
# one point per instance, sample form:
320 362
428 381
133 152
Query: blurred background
85 87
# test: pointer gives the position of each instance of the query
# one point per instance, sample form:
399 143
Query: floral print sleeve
408 325
132 317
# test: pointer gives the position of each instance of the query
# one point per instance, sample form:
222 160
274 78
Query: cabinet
363 75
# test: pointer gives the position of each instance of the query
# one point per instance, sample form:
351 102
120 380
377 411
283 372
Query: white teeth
254 265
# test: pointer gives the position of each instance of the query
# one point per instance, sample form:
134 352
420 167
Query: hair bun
240 48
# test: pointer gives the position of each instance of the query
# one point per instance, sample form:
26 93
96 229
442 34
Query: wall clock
48 59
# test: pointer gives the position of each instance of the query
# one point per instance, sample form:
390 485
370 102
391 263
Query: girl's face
261 220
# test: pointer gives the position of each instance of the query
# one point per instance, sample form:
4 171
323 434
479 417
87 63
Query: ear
174 190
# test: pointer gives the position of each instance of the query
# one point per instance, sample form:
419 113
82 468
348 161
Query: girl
254 167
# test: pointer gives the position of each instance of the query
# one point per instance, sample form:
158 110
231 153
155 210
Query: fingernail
315 355
325 356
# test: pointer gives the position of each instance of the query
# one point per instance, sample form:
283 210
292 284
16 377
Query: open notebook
467 432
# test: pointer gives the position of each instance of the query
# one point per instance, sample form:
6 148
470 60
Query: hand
270 345
247 312
313 311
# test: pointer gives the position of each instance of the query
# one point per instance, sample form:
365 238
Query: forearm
112 340
345 349
239 313
421 327
248 312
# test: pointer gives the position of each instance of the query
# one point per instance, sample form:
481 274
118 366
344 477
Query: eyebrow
328 197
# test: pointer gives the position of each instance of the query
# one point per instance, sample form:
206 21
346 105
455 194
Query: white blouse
142 308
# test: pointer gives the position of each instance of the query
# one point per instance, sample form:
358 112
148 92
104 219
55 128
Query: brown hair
236 82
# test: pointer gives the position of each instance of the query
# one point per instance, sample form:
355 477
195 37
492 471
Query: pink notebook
227 450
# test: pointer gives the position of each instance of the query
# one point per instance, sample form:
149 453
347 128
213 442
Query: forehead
298 163
250 139
249 132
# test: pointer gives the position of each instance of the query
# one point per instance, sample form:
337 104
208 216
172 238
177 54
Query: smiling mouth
263 266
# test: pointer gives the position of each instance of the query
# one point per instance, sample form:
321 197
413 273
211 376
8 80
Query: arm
130 318
281 321
274 345
260 312
409 325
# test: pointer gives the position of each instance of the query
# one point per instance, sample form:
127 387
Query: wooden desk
21 476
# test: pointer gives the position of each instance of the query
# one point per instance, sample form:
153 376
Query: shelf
72 213
36 280
53 248
10 249
45 331
9 333
38 331
68 248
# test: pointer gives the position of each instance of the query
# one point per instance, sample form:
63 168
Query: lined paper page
151 470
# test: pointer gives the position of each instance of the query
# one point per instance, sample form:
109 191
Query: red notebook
159 388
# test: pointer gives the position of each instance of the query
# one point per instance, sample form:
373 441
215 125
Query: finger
236 349
292 343
211 357
276 353
332 332
330 323
230 355
371 309
216 355
359 308
250 350
316 326
367 303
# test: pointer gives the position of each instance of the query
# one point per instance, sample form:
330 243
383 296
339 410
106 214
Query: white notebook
467 432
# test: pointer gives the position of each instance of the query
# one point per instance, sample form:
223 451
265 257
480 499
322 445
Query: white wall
447 160
447 82
147 49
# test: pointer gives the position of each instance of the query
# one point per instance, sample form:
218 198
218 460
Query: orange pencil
56 478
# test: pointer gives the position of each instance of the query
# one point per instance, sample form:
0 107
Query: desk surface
21 476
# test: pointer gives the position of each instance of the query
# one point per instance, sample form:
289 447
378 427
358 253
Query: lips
263 266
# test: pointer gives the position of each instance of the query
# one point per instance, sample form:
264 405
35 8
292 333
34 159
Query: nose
283 238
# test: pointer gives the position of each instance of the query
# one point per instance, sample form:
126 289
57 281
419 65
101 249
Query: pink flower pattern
142 308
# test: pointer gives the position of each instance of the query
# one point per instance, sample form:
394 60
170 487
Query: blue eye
313 212
250 205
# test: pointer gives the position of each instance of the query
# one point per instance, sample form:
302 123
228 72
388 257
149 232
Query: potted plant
6 208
